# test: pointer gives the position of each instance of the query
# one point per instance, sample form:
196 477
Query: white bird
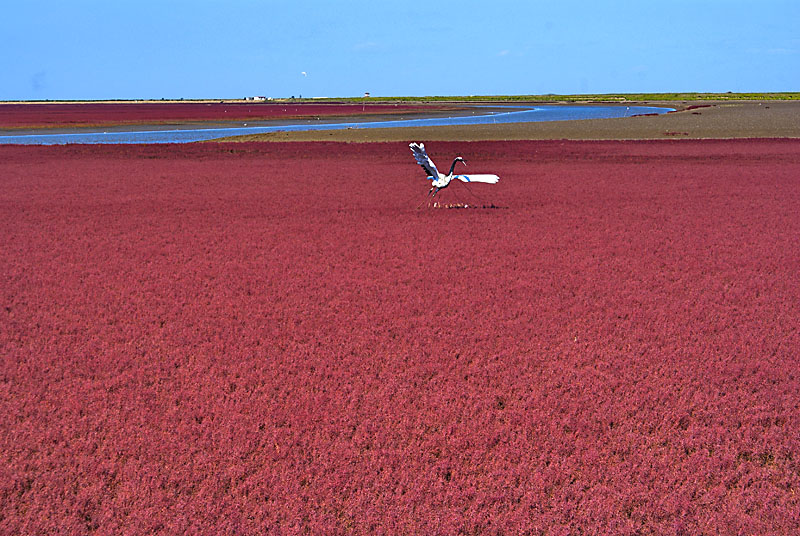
440 180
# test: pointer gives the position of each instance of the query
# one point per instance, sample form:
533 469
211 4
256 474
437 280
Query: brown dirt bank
769 119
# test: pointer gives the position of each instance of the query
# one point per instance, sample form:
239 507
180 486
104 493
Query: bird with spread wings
440 180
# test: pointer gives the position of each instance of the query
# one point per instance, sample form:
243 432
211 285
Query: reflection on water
540 113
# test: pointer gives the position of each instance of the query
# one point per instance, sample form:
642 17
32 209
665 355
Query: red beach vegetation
269 338
42 115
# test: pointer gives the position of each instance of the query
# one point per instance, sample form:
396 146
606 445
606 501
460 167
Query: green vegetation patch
600 98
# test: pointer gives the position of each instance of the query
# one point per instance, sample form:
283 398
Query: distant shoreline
693 119
605 98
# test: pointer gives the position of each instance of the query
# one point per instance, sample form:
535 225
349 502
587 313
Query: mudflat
693 120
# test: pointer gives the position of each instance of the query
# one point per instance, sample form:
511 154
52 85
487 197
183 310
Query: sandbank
691 120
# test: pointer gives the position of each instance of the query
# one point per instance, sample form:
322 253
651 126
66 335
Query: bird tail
488 179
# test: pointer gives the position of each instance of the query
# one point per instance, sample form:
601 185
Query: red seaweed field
271 339
26 115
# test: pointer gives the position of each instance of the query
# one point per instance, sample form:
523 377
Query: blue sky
215 49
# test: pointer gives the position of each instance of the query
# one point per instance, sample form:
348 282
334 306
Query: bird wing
424 160
490 179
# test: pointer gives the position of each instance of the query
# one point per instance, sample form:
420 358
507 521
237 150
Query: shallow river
182 135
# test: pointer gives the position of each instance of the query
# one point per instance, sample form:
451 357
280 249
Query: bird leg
428 197
432 194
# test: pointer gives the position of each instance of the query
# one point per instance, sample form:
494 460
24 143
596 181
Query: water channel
185 135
